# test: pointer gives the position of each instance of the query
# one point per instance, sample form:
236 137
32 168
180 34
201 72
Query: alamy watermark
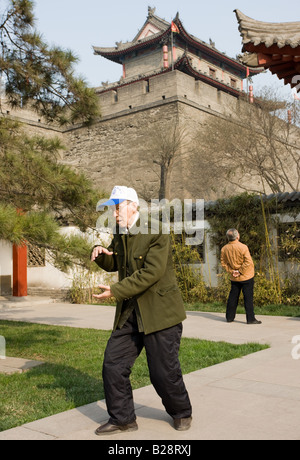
2 347
175 216
296 350
296 82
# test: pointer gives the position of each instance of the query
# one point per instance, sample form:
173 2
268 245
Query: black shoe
255 321
230 320
108 428
182 424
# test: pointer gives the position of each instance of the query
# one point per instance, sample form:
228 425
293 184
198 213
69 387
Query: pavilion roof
154 20
163 29
274 46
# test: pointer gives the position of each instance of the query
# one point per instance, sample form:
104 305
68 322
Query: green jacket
150 278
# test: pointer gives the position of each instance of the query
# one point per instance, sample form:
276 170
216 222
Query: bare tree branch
256 145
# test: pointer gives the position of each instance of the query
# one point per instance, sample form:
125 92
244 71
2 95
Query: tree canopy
256 148
38 75
37 192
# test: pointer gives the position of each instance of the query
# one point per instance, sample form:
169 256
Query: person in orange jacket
237 261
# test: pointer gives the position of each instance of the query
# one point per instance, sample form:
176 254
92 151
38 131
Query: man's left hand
106 294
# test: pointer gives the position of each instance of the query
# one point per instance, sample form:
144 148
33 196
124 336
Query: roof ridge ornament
151 11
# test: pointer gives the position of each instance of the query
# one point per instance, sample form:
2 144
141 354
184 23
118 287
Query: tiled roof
274 46
112 53
158 22
184 63
286 199
269 33
115 53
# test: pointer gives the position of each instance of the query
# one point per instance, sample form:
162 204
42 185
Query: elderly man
236 259
149 314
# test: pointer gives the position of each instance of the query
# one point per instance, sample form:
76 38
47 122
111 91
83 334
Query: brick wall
116 150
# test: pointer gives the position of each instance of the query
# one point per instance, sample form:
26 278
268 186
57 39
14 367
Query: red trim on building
208 50
114 55
183 65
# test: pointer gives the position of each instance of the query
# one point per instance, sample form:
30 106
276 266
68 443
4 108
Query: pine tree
37 192
38 75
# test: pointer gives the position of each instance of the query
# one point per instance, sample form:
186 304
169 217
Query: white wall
5 258
50 277
209 267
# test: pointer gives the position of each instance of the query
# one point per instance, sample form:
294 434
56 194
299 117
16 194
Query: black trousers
162 347
233 299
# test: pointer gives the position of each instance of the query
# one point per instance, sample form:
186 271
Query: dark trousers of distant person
236 287
162 347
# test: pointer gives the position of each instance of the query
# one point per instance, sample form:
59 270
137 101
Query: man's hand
106 294
99 250
235 273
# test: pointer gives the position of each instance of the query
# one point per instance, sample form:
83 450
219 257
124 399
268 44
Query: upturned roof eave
114 53
284 34
275 46
206 48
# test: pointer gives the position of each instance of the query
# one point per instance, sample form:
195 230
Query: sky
79 24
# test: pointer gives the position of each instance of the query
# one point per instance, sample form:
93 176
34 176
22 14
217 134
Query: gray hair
232 234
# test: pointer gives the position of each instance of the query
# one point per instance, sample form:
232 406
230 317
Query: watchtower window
212 72
232 82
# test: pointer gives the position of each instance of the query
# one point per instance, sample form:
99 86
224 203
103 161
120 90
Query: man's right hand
100 250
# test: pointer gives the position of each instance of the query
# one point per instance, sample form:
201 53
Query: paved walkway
254 397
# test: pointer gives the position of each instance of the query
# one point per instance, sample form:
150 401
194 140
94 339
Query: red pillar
19 271
165 57
251 100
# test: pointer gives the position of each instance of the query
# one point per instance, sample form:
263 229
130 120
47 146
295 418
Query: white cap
120 193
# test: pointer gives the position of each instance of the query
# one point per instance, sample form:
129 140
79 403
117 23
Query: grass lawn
71 375
270 310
